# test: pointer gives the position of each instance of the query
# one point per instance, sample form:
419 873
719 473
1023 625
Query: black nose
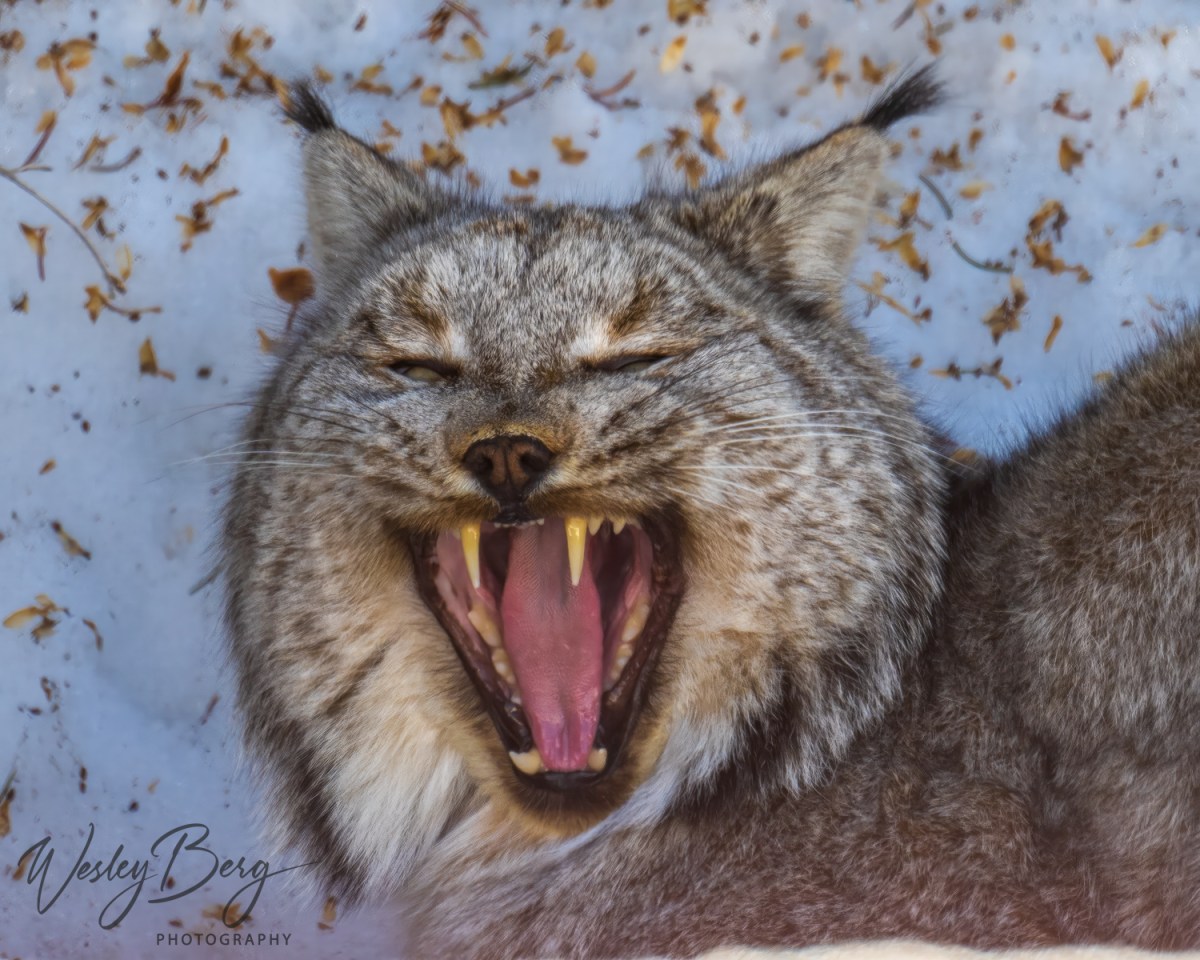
508 467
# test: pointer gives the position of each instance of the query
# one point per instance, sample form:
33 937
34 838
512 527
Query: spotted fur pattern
845 736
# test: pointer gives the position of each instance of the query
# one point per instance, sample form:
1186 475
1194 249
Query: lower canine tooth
528 763
576 545
597 759
470 543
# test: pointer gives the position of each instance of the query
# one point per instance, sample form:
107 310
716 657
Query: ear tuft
907 96
306 108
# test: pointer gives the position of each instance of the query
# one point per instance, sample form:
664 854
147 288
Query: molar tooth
597 759
529 762
503 666
618 524
595 522
482 621
576 545
470 542
635 622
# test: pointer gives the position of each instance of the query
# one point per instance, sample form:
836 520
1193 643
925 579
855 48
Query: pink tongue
553 635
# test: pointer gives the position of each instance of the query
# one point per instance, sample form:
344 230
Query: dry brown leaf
586 64
36 238
1110 53
710 117
199 175
908 207
904 246
1055 326
148 362
567 151
524 180
47 467
1068 157
946 159
443 157
12 41
672 56
124 262
873 74
366 81
292 286
692 166
1043 258
556 42
829 62
266 344
472 50
64 57
1152 235
96 302
1006 317
1140 92
70 544
875 289
681 10
21 304
1048 211
791 53
973 189
1008 41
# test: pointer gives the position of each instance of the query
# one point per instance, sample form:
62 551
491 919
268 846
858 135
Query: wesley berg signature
187 858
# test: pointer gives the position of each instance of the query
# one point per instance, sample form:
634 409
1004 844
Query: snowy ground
115 706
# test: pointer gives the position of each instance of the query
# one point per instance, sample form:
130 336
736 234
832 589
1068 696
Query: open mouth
558 623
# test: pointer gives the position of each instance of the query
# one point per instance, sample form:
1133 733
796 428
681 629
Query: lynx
595 591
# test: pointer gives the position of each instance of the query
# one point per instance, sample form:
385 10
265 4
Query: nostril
507 467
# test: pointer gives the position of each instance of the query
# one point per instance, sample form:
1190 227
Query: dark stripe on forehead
639 311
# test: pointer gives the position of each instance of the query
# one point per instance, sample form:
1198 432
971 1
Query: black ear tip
307 108
912 94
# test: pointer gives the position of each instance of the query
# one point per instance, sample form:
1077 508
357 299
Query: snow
126 482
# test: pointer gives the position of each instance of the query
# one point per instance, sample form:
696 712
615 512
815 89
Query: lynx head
569 516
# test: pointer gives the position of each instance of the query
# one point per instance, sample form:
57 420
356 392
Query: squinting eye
629 364
414 371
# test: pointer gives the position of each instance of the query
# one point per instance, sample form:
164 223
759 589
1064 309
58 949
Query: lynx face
558 516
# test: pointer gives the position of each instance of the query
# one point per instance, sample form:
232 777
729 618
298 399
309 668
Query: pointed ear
356 197
796 221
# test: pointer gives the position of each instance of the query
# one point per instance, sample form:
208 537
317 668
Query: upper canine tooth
595 523
529 762
576 545
597 759
618 524
470 543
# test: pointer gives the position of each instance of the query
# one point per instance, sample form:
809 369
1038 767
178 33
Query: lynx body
595 591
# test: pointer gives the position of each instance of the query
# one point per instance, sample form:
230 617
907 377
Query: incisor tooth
635 621
482 621
597 759
576 545
528 763
470 542
618 525
594 524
